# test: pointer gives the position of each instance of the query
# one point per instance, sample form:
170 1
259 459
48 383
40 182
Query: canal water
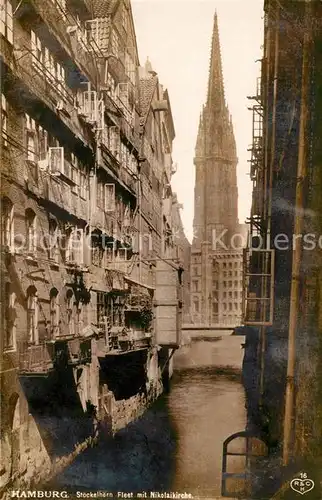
177 445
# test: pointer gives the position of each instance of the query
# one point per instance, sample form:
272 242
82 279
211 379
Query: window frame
31 230
6 20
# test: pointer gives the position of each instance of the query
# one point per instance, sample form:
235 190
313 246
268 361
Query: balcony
60 22
37 360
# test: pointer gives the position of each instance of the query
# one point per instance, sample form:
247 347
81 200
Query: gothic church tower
216 194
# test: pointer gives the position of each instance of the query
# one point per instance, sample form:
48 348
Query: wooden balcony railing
37 360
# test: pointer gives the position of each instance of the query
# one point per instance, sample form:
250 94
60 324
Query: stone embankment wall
36 446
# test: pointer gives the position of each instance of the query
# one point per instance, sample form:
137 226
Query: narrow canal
177 445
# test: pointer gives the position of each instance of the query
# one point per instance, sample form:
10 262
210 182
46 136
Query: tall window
104 310
4 120
7 229
32 315
9 315
70 303
54 312
53 251
6 20
109 197
83 182
97 250
106 196
30 218
196 305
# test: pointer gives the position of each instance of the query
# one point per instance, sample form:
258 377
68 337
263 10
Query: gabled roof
147 89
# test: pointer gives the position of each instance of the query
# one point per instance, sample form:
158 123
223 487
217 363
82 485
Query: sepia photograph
161 249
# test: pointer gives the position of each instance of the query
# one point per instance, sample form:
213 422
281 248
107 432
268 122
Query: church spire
216 94
200 137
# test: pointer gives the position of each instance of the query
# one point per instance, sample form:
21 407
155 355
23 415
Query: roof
103 8
147 88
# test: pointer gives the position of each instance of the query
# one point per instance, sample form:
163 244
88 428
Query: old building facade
216 257
282 363
85 166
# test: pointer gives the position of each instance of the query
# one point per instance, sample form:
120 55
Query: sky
176 36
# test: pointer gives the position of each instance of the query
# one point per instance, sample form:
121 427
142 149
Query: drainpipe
297 245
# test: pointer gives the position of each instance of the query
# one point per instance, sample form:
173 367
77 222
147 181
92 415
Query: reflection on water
177 444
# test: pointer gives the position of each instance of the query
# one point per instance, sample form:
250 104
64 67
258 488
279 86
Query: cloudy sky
176 36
